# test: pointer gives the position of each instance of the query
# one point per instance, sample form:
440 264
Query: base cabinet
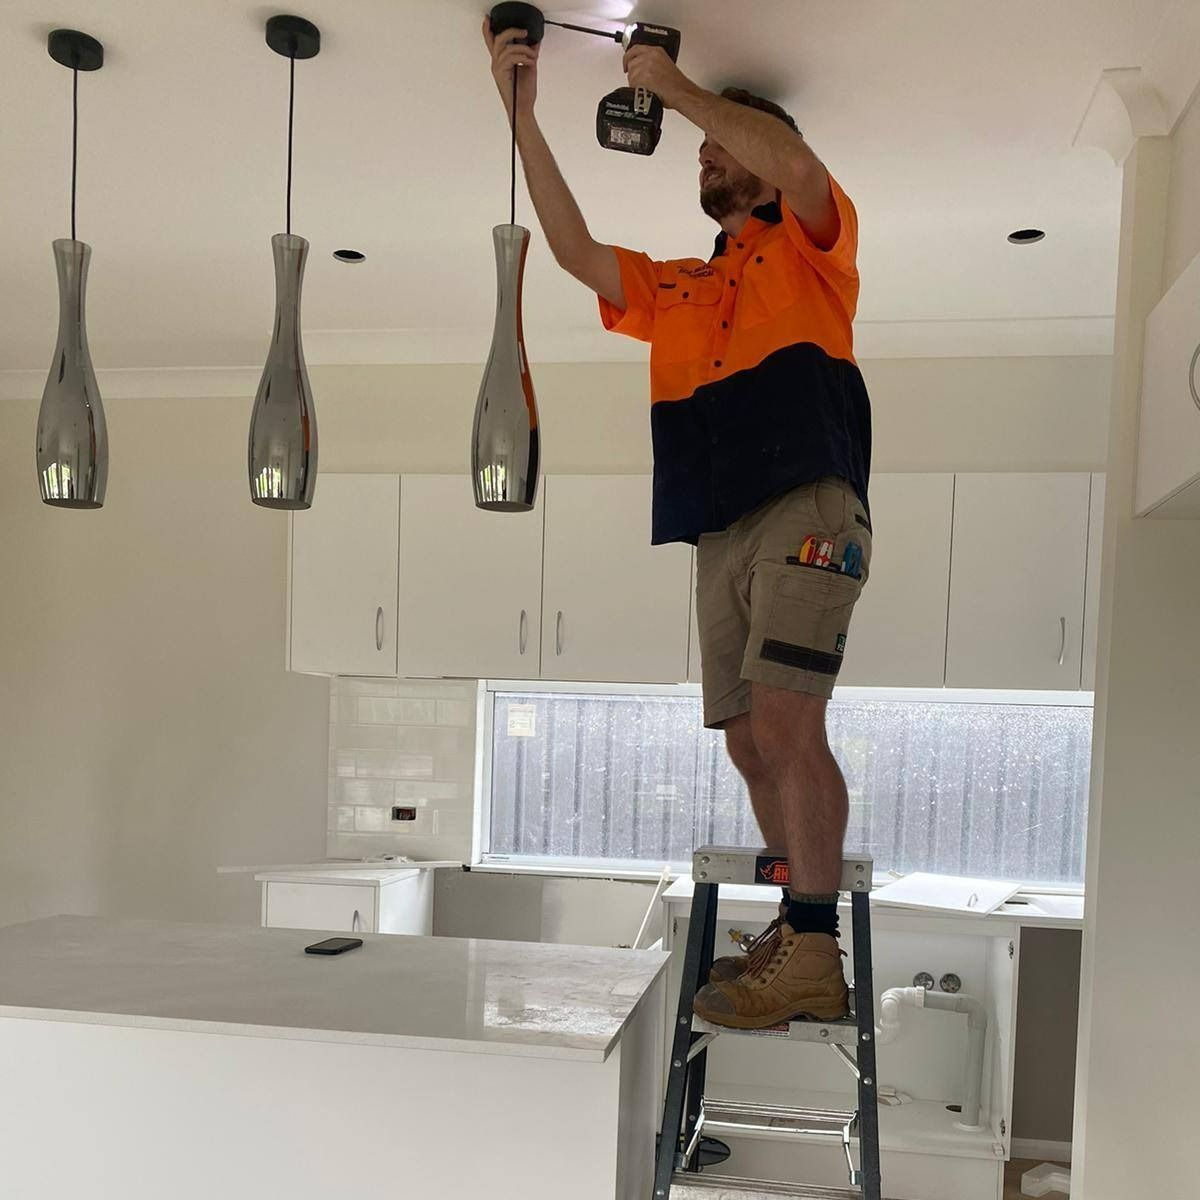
374 902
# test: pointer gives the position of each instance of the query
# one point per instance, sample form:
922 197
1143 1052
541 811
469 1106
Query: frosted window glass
993 790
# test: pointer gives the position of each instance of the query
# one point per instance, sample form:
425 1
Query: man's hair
750 100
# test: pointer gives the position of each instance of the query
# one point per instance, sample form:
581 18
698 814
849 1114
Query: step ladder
688 1114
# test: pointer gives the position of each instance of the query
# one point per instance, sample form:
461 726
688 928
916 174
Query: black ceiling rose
293 37
513 15
74 50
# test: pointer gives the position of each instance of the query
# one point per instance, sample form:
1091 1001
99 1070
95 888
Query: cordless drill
630 119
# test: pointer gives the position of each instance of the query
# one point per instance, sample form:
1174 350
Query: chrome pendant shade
504 445
283 425
282 446
72 437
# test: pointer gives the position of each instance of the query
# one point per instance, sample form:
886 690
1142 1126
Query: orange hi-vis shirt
753 385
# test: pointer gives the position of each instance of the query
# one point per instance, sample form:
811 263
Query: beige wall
1139 1051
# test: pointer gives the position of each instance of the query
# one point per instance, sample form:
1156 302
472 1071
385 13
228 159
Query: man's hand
650 67
509 53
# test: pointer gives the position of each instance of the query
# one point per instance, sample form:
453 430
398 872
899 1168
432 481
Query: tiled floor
1012 1178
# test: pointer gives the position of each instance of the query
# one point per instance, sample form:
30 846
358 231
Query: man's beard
729 195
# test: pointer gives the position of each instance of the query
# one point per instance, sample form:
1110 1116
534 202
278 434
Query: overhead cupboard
977 581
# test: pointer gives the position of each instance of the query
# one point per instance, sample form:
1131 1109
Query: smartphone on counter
333 946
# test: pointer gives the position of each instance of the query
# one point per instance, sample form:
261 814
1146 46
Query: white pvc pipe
888 1030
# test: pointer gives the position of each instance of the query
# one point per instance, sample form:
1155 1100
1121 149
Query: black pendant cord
291 118
74 141
512 159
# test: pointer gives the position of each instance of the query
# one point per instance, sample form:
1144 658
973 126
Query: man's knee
786 728
743 753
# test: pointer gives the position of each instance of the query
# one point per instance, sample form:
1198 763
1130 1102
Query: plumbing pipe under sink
888 1030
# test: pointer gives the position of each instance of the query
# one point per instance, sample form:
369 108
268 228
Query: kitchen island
144 1059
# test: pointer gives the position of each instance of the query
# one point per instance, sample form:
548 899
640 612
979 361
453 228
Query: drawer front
320 906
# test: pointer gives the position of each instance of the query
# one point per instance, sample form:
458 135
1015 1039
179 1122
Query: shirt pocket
685 317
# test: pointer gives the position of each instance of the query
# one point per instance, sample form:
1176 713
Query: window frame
591 868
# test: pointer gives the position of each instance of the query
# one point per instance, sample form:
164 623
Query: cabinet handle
1062 645
558 633
523 631
356 922
379 629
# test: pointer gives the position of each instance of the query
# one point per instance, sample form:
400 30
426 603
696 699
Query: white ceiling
949 121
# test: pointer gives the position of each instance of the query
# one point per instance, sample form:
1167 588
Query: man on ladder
762 435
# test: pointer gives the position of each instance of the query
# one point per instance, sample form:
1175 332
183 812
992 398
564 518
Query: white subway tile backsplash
385 764
364 791
456 712
371 820
364 737
403 742
395 711
410 791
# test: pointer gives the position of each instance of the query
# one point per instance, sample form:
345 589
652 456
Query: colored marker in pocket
808 550
852 560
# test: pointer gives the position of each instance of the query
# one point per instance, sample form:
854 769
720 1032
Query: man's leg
760 780
788 731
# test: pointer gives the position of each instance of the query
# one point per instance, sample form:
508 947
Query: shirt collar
769 213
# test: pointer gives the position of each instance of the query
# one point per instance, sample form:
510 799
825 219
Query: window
632 778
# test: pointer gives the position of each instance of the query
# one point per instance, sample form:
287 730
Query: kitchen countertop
365 876
344 864
513 998
1029 909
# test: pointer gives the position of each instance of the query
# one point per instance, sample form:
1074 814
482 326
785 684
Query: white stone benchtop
516 998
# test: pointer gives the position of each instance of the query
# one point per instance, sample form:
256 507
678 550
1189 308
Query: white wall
1139 1051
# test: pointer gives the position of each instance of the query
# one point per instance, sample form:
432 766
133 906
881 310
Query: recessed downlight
1026 237
349 256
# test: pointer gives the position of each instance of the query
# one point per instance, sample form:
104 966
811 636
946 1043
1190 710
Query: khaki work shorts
774 594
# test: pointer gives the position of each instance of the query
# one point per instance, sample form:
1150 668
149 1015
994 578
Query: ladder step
825 1033
688 1186
768 868
729 1116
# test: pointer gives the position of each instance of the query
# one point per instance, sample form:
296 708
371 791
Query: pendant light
72 437
283 425
505 441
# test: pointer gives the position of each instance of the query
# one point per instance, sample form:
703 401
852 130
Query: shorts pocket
807 620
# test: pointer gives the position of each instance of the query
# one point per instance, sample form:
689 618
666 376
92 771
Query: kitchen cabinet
1017 579
898 631
343 577
613 606
470 584
1091 597
351 901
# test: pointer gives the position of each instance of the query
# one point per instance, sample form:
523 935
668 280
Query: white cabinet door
1017 581
898 631
343 594
613 606
1091 600
346 908
470 584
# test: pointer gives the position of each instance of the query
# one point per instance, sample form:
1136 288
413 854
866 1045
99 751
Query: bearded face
725 185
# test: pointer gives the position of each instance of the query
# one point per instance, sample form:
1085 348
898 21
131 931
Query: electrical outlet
404 813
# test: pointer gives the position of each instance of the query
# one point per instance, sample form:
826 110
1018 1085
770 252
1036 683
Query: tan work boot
803 979
761 950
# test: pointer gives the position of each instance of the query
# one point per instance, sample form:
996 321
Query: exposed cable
74 141
512 159
291 114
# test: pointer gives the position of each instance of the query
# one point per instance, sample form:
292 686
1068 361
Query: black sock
787 896
813 914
